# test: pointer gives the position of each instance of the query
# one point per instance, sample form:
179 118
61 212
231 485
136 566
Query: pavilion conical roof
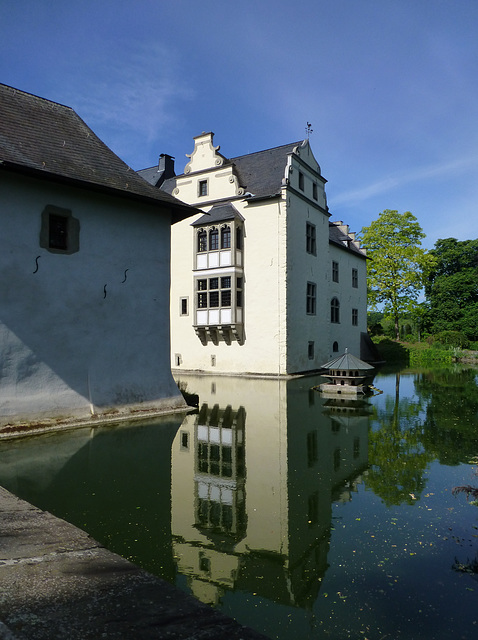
346 362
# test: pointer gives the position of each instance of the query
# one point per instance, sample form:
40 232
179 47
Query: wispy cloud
403 178
139 93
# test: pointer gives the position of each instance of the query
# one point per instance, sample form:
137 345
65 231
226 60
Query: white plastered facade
281 332
85 332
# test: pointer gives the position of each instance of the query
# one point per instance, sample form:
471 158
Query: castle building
85 246
262 282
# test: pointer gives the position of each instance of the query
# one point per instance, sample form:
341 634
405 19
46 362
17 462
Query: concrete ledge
25 429
59 583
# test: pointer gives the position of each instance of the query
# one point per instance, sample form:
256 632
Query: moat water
299 516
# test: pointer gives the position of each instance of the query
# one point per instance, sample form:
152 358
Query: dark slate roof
151 175
162 171
218 213
261 173
342 240
50 140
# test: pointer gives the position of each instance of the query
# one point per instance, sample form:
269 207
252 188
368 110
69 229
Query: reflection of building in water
254 474
219 477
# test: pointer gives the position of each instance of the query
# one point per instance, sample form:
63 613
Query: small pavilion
346 375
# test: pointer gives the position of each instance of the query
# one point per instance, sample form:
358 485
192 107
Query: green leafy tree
452 288
399 266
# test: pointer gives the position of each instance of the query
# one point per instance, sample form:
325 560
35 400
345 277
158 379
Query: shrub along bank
439 350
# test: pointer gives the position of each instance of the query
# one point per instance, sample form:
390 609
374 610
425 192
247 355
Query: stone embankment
57 583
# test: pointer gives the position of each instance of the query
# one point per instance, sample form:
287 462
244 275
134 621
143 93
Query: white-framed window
214 292
239 289
311 298
184 306
218 299
310 237
201 241
202 188
226 237
335 271
213 239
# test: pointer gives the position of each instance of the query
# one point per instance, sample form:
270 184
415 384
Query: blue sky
390 87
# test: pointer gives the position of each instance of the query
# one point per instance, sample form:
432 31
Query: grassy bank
413 353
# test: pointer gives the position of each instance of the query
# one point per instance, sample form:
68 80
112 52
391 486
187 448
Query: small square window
60 231
202 285
202 188
214 299
214 283
226 282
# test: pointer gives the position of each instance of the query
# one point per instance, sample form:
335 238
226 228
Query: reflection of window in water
356 447
313 512
312 397
337 459
204 563
335 425
184 441
312 448
220 469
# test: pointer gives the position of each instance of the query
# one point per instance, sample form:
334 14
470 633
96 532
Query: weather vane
308 130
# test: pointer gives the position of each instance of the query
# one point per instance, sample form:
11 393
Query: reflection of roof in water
346 362
349 408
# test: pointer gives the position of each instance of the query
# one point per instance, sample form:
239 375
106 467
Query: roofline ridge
245 155
34 95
